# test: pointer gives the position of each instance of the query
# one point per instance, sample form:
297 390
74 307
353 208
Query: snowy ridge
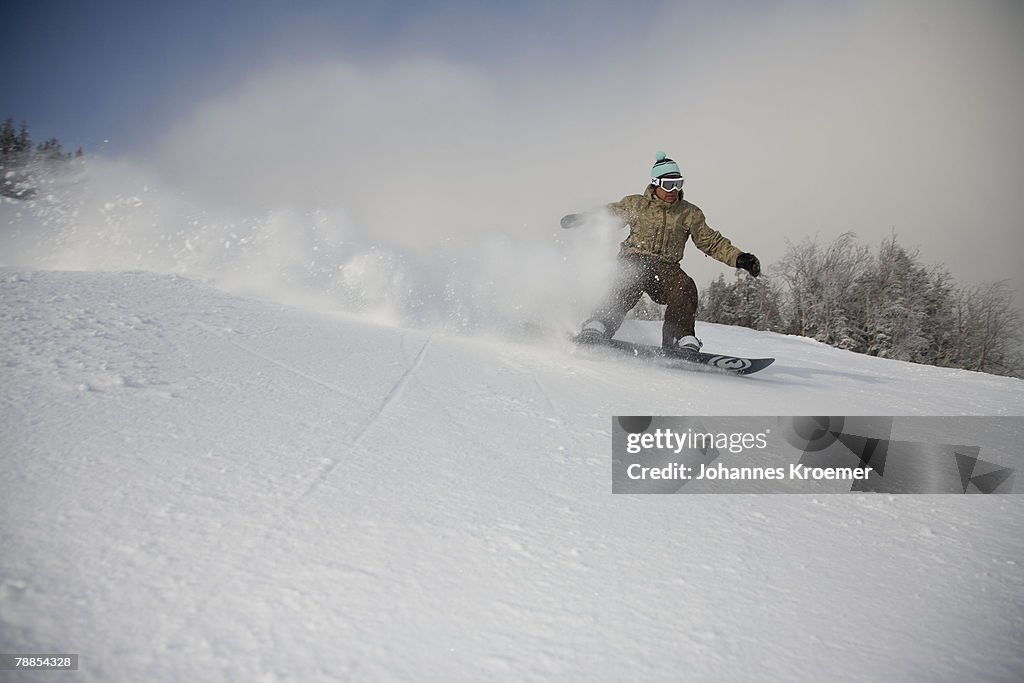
201 486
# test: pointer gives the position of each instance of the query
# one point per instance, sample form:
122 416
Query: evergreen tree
14 146
23 147
893 319
8 141
51 152
939 301
713 302
22 170
746 301
15 155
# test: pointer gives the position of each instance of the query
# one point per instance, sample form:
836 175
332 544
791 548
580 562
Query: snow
204 486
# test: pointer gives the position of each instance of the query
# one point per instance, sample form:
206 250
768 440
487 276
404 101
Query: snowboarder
660 221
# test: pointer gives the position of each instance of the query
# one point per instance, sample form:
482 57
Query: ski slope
199 486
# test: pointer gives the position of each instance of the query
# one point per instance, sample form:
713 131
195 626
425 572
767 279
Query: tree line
24 168
882 302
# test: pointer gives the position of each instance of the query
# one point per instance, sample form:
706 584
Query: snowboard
736 365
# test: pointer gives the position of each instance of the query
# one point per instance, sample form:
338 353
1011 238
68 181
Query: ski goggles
668 184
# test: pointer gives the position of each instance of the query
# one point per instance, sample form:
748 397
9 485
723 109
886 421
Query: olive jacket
660 229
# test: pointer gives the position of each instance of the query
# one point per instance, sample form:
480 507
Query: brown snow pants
665 283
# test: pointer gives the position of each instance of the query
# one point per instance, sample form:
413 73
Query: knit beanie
664 166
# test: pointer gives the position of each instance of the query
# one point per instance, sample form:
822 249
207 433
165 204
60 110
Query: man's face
666 196
668 189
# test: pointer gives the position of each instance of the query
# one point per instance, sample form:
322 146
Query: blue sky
121 71
88 71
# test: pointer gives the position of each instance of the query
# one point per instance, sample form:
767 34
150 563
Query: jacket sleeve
712 242
625 210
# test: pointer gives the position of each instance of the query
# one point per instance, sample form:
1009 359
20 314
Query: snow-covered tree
989 329
895 318
746 301
887 304
825 290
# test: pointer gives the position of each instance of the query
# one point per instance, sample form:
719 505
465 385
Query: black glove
749 263
572 220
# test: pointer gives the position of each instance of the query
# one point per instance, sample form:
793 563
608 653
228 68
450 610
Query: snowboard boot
593 332
685 348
